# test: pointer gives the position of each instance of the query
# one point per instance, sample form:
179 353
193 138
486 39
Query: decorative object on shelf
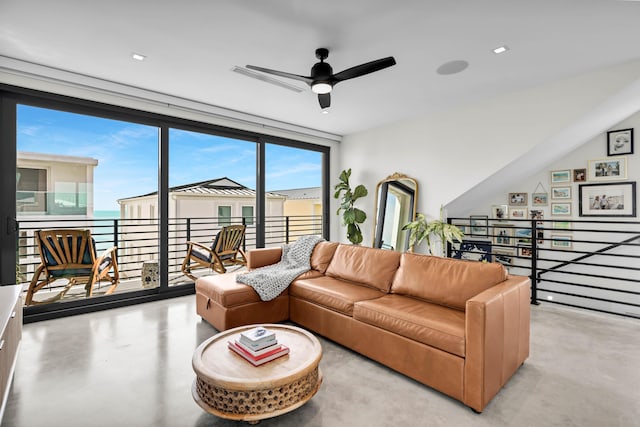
560 193
539 198
561 176
580 175
500 212
421 229
607 169
518 213
351 216
479 225
561 209
396 202
518 199
613 199
620 142
475 250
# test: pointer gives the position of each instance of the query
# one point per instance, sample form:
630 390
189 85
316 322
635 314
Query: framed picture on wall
620 142
518 213
561 241
608 169
561 176
503 235
479 225
580 175
500 212
517 199
607 199
561 209
539 199
559 193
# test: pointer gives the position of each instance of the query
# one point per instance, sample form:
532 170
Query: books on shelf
278 351
258 338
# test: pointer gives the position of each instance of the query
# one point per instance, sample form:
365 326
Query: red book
256 361
257 353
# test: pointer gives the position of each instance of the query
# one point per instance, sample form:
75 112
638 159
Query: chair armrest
112 250
262 257
200 245
497 338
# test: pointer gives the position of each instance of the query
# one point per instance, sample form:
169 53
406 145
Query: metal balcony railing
589 264
137 239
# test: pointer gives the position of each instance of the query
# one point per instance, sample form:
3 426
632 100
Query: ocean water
103 230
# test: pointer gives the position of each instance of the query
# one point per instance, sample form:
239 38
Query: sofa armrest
263 257
497 338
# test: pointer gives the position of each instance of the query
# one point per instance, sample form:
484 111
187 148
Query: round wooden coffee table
228 386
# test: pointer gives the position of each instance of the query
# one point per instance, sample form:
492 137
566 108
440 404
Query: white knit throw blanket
270 281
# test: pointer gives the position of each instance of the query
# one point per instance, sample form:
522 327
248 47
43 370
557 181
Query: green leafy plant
421 229
351 216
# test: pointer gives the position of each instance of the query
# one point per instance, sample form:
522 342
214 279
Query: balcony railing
587 264
137 240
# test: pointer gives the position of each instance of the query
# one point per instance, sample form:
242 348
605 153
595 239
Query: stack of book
258 346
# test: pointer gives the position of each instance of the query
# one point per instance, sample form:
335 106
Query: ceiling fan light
321 87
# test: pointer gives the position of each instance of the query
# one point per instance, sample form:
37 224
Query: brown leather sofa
461 327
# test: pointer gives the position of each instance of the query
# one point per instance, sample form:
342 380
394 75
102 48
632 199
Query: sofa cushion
224 290
368 266
322 255
431 324
445 281
332 293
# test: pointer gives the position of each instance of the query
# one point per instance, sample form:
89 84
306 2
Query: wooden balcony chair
71 255
225 250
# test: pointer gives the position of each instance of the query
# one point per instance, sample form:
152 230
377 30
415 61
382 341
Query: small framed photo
560 193
620 142
608 169
504 256
561 241
580 175
479 225
518 199
500 212
476 250
523 236
518 213
539 199
503 235
561 225
561 209
561 176
607 199
524 251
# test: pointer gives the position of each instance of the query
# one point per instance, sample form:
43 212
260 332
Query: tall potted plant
421 229
351 216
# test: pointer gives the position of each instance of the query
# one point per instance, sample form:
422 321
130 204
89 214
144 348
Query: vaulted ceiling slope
191 47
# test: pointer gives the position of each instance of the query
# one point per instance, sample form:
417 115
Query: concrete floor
132 367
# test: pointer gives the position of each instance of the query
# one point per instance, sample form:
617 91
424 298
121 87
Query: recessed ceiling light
325 110
138 57
501 49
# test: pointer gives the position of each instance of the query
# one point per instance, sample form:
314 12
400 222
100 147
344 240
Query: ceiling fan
322 80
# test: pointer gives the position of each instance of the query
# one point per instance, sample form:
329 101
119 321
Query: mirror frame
376 208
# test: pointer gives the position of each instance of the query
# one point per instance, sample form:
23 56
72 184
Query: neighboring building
304 208
208 205
51 189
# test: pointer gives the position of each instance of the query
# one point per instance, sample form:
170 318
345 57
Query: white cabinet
10 336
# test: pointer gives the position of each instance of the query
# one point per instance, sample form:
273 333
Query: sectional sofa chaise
461 327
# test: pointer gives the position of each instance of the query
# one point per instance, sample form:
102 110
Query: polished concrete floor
132 367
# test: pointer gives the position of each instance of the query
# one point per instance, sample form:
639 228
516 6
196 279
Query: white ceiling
192 45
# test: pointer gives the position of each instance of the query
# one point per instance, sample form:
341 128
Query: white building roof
301 193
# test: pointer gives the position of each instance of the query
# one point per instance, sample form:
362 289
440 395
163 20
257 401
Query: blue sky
127 155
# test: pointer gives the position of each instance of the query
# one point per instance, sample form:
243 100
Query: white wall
451 152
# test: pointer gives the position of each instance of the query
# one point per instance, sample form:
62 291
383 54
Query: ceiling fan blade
305 79
324 99
362 69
